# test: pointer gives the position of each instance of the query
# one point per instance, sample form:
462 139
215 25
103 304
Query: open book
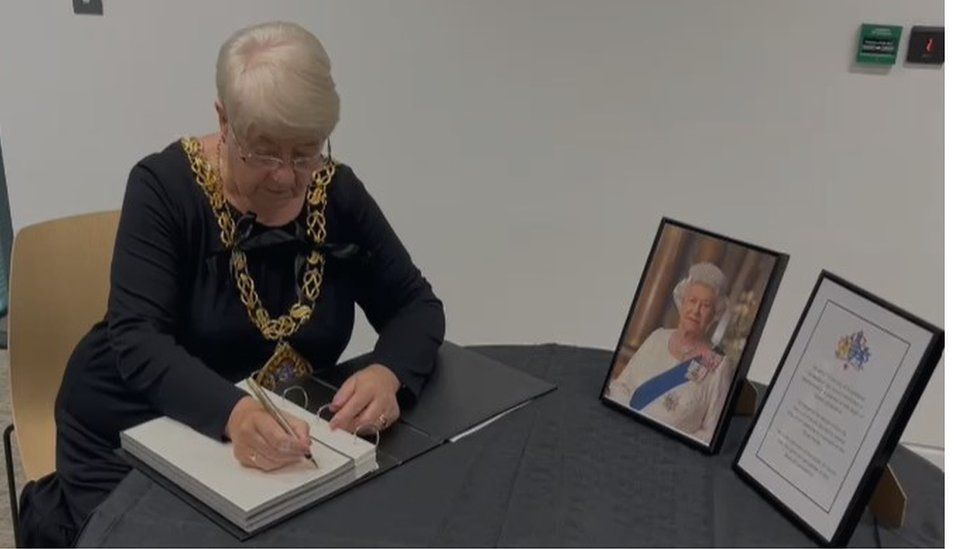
250 498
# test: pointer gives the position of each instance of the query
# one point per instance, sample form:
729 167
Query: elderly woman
232 248
676 377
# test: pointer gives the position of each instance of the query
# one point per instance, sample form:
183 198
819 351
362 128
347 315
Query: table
563 471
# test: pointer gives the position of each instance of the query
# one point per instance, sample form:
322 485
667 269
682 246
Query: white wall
525 151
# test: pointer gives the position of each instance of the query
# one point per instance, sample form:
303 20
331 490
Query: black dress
176 335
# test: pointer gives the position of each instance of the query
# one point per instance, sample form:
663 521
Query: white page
212 464
205 462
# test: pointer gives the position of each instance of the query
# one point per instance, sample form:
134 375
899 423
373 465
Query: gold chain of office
274 329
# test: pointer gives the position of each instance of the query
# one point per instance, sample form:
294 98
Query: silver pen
276 413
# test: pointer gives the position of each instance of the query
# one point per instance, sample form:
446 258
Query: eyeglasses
264 162
323 392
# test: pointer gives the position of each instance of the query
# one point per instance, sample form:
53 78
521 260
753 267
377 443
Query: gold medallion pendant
284 367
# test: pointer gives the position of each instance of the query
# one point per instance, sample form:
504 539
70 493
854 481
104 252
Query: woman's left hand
367 398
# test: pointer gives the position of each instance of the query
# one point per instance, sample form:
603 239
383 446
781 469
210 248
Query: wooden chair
59 281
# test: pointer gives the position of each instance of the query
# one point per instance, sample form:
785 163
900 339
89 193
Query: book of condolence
249 498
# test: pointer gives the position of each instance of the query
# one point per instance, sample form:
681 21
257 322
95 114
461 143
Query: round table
565 470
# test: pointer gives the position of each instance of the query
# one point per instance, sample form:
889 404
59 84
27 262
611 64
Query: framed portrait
693 326
836 407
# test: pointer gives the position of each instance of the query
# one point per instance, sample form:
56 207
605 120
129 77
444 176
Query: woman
676 377
232 248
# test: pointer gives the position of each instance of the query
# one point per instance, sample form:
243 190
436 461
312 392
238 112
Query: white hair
276 78
706 274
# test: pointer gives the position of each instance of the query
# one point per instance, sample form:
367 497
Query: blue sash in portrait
660 384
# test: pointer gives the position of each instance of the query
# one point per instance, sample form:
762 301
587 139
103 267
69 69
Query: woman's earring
328 151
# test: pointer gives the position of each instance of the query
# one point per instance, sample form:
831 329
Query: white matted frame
836 407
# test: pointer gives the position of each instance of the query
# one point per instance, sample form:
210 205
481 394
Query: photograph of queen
677 376
692 328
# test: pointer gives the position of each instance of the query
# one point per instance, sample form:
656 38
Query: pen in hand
276 414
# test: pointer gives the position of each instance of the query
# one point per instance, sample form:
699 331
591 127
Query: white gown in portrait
686 396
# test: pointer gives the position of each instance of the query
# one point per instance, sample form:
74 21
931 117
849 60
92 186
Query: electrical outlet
88 7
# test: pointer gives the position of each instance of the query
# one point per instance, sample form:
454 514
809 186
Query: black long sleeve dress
176 335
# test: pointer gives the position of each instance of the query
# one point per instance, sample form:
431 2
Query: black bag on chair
44 518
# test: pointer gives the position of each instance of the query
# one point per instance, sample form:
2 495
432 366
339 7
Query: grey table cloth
564 470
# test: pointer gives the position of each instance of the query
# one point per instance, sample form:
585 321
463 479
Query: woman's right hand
259 441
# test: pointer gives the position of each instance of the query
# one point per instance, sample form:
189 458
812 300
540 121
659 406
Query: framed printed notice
836 407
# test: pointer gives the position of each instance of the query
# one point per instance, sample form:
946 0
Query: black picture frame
779 263
889 440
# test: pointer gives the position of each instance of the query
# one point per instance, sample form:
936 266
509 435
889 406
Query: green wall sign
878 44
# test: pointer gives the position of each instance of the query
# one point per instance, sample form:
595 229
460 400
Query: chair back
59 281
